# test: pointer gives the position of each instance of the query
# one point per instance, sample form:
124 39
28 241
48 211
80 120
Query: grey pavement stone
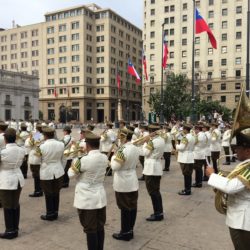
191 223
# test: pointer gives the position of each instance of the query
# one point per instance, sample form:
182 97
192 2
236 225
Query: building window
238 35
184 30
209 98
184 41
209 87
50 30
224 37
223 98
197 52
100 91
224 12
184 53
238 22
237 98
237 86
184 18
211 2
238 48
210 51
75 25
210 14
197 40
62 27
224 49
223 74
210 63
223 86
238 9
184 65
152 34
238 73
196 64
238 60
224 25
152 12
209 75
223 62
184 6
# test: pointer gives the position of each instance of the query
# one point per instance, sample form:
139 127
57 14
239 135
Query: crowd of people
53 162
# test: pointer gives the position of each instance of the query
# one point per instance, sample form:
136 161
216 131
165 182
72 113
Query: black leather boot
56 201
133 214
157 206
92 241
187 184
100 237
50 214
9 217
16 218
38 191
125 233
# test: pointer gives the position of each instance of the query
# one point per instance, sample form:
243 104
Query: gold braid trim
76 166
119 156
184 140
242 172
150 145
244 177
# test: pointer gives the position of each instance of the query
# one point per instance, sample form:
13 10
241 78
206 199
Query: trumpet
143 139
74 151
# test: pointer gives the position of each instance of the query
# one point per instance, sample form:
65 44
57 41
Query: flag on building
201 26
144 62
55 92
165 51
118 79
132 71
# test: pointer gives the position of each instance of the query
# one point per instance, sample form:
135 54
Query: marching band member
174 133
206 130
215 146
51 172
11 183
144 132
90 127
153 151
34 160
199 154
237 187
108 138
186 158
168 146
67 140
90 196
226 143
125 184
20 142
3 127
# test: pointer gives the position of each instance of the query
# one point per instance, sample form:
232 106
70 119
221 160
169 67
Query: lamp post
248 49
161 111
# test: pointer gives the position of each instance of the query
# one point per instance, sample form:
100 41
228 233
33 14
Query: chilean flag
133 72
165 51
144 62
201 26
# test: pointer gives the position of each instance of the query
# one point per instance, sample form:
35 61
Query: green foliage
177 100
40 115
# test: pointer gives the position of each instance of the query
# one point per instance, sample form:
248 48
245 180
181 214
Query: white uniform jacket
33 159
124 165
238 205
107 140
2 141
143 134
226 138
89 191
200 146
51 160
215 145
153 152
21 141
11 161
168 142
185 149
67 140
208 150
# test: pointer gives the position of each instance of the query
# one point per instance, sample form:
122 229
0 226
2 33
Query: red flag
118 79
55 93
132 71
144 62
165 51
201 26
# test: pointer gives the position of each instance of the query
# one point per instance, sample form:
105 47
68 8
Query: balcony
8 102
27 104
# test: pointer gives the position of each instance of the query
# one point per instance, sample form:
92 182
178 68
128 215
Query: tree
177 100
176 97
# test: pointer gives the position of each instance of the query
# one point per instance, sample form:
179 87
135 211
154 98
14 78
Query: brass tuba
242 113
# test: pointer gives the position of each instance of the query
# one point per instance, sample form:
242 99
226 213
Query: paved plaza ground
191 222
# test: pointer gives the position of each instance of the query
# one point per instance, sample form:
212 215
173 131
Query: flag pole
193 45
127 101
248 34
161 111
117 96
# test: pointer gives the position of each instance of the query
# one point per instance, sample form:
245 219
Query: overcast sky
26 12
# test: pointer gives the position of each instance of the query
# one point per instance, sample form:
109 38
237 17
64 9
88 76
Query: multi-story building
76 53
218 73
18 96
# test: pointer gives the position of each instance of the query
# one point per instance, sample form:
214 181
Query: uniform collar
9 145
93 151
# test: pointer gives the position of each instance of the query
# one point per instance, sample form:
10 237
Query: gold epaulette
244 177
184 140
150 145
119 156
214 135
